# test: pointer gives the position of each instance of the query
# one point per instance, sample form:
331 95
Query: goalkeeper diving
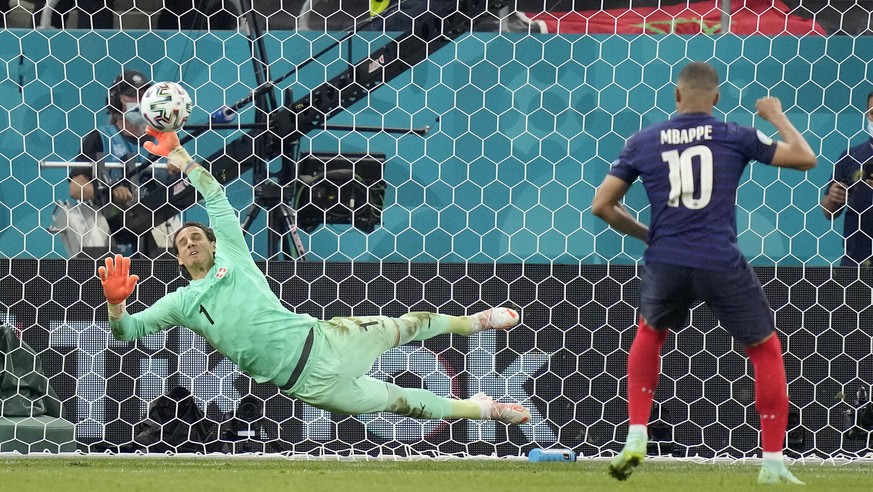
323 363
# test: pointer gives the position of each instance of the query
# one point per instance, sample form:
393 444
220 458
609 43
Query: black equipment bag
175 423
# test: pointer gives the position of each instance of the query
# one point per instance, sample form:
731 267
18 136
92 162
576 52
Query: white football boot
508 413
499 318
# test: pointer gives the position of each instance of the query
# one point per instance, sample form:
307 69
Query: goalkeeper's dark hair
210 234
699 76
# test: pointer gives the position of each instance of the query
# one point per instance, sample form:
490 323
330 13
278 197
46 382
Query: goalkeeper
322 363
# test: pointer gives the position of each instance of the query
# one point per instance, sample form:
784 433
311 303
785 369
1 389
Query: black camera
340 189
858 418
244 430
250 409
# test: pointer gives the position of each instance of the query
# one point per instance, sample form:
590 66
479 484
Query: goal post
478 165
565 362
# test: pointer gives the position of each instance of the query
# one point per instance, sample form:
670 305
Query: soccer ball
166 106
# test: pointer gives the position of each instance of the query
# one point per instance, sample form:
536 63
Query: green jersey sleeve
161 315
222 217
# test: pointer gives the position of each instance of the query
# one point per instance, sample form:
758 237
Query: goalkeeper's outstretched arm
118 285
115 277
222 217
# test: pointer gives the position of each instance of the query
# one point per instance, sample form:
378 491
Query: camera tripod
281 221
276 132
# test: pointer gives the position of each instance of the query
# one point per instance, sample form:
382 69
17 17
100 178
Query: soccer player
323 363
690 166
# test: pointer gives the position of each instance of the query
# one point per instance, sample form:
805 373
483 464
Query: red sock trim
771 392
643 370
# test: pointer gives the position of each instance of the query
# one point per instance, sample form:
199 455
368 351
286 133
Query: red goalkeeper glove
117 281
167 144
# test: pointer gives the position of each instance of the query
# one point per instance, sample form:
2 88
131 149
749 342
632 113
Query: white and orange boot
508 413
499 318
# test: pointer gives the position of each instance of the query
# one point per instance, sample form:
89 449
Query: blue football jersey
691 166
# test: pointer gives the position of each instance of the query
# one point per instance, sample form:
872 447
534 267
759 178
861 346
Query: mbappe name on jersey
677 136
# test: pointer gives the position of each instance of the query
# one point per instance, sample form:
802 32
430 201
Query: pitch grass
173 474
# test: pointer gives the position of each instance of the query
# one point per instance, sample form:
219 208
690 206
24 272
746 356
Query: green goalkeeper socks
466 409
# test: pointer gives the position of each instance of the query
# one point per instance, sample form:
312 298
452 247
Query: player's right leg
771 401
644 367
421 326
380 333
664 301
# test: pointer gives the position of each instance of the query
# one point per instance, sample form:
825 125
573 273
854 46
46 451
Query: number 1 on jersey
206 313
682 176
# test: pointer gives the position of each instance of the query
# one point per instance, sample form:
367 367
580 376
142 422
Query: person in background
851 190
119 140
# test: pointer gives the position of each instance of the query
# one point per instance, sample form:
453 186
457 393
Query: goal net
429 158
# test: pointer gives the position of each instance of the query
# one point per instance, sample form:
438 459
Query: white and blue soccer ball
166 106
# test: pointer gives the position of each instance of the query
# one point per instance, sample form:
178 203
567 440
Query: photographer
119 141
852 184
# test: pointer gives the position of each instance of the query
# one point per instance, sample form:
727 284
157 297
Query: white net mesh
446 168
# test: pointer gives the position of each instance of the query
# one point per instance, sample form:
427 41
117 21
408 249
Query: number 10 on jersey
682 176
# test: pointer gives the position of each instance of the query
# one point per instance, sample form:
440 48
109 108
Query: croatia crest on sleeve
221 272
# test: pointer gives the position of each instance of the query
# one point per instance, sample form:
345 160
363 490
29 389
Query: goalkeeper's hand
167 144
117 281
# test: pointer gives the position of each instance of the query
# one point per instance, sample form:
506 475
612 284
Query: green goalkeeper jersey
233 307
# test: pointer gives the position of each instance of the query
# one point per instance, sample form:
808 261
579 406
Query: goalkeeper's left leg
369 395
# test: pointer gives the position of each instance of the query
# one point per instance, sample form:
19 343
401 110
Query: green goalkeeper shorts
344 351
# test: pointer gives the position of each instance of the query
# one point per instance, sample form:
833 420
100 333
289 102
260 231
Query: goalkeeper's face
194 249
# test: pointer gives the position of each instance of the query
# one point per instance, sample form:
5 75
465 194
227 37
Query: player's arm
161 315
222 216
607 205
834 200
793 151
118 284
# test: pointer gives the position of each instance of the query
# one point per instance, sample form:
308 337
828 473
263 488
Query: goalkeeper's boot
630 457
499 318
774 472
508 413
